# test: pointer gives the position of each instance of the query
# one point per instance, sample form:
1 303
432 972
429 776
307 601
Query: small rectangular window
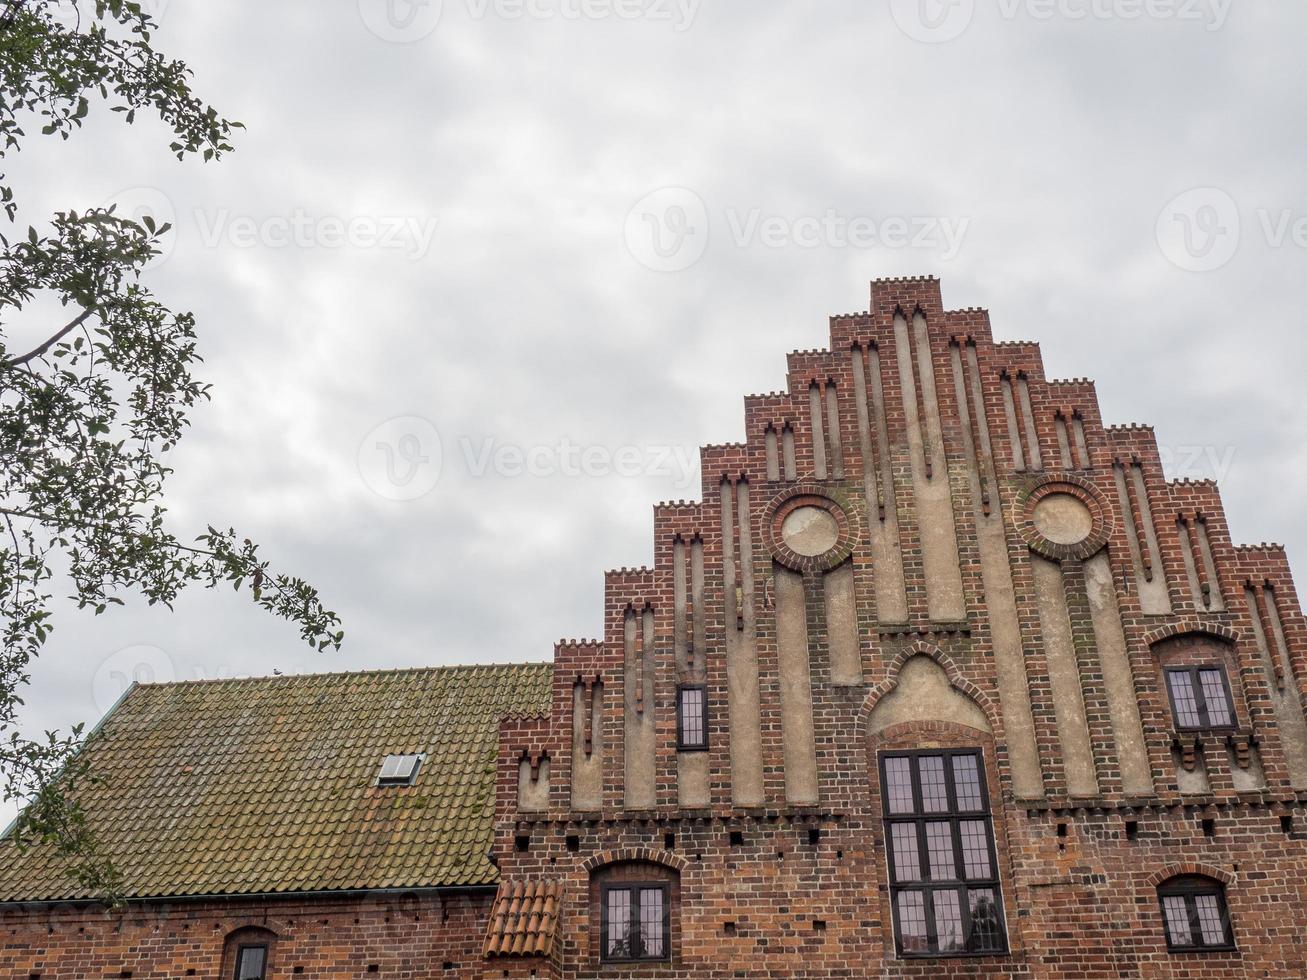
252 963
692 719
1200 698
399 770
635 923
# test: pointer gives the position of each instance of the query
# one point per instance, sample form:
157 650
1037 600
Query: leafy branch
89 406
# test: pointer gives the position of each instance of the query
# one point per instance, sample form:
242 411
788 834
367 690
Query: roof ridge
375 672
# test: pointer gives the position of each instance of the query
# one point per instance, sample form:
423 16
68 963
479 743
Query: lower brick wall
399 937
793 895
803 895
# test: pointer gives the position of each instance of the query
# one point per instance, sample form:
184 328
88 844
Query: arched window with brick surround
933 768
1195 915
1200 682
943 864
248 953
634 912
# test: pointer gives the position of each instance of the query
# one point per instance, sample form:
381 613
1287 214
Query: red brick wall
401 936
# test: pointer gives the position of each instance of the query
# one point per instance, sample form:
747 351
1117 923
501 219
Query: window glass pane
986 921
1186 704
1177 920
907 863
252 962
1218 707
912 922
898 785
934 791
948 922
692 730
939 846
651 923
975 848
966 780
619 924
1210 920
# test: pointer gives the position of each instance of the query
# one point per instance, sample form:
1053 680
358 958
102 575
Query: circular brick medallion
810 531
808 527
1064 517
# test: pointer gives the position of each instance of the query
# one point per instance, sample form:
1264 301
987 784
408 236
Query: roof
524 920
268 785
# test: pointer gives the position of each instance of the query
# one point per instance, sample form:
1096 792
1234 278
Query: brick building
943 678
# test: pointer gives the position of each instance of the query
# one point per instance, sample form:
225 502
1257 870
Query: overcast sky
582 230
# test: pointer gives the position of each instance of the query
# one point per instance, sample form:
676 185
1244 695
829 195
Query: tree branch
34 354
10 14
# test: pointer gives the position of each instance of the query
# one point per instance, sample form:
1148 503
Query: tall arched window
1195 914
944 878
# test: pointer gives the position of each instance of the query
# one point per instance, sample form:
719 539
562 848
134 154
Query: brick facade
921 544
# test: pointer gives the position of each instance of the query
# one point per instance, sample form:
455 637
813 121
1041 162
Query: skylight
399 770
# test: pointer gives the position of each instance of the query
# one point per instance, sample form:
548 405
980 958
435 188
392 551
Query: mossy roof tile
268 785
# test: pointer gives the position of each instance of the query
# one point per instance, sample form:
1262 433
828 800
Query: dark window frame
1200 698
681 744
927 887
240 958
1189 888
635 888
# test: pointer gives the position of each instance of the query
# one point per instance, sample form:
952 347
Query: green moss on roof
268 785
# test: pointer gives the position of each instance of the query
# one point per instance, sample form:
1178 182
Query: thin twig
38 352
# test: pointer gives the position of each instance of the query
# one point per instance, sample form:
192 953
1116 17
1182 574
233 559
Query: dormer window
400 770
